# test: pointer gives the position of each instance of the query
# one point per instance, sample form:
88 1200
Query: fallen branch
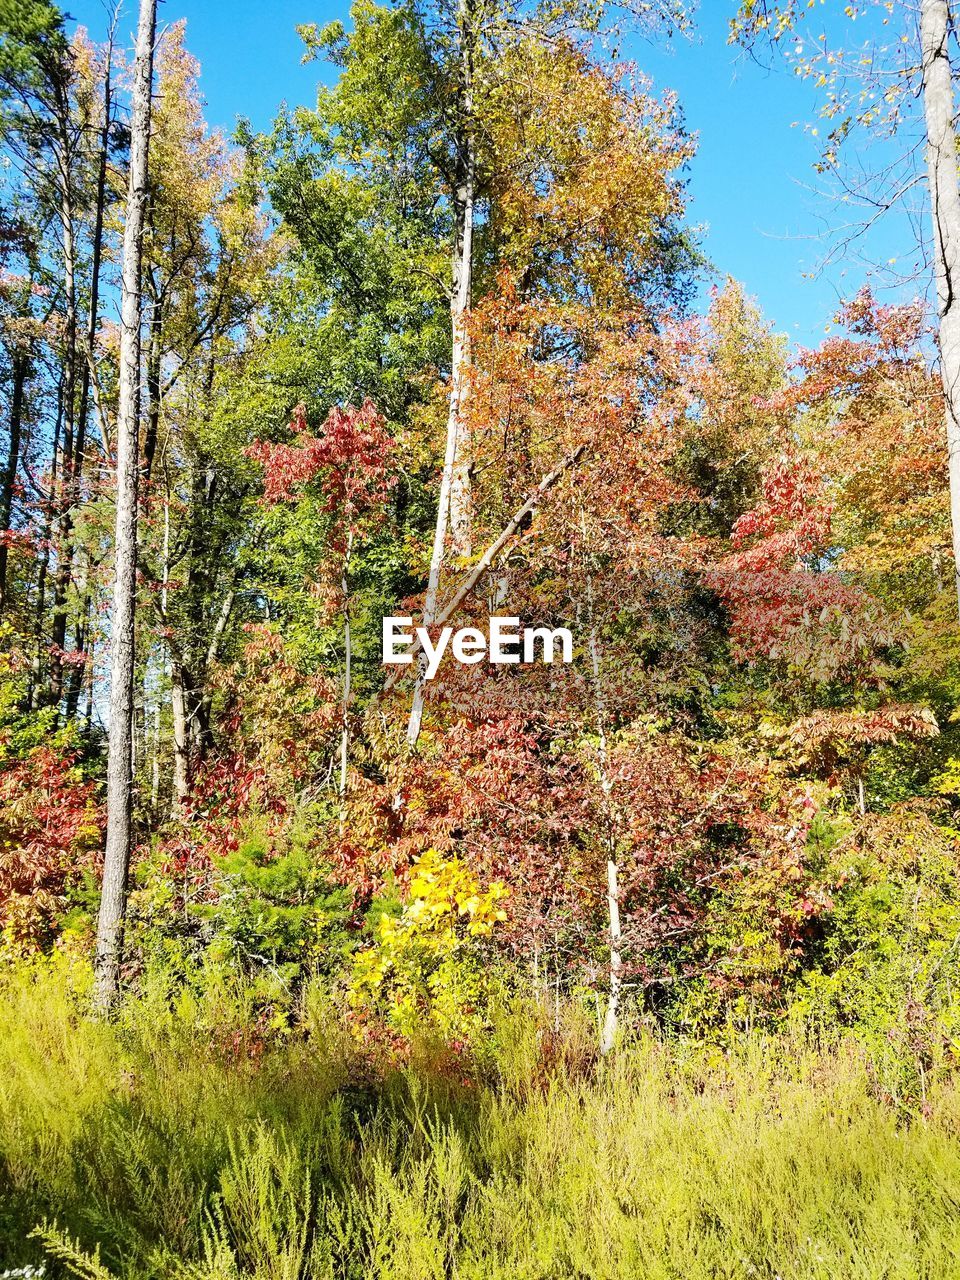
491 553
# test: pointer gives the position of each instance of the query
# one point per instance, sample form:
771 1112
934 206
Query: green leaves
32 40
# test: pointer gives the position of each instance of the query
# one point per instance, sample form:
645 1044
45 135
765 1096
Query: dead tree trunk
64 151
945 214
120 748
21 372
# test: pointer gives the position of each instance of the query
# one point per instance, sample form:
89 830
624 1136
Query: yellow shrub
425 966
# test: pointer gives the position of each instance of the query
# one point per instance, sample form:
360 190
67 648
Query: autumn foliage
749 545
50 830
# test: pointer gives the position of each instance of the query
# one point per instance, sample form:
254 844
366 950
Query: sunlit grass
168 1144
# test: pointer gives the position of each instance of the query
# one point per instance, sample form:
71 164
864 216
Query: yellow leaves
947 781
422 964
584 167
444 891
369 970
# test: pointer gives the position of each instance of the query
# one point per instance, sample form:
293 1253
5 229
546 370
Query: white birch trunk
454 501
945 214
608 1037
611 1019
181 742
116 861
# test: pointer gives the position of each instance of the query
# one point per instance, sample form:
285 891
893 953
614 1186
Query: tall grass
167 1144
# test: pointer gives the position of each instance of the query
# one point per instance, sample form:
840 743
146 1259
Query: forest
633 954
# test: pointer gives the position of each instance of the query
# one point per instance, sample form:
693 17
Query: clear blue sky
751 182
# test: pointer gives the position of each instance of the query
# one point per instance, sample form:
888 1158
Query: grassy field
174 1144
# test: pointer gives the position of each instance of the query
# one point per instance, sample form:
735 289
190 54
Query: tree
119 840
60 135
937 82
351 462
874 87
419 117
207 262
31 43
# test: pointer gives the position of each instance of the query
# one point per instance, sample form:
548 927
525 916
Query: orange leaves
826 735
549 377
867 405
896 329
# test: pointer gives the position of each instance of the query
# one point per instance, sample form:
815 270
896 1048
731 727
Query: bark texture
454 501
945 213
116 861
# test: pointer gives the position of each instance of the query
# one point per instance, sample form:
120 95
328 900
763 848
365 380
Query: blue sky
751 183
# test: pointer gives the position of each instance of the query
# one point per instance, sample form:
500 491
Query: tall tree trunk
21 372
454 500
64 154
116 862
461 539
611 1020
76 676
39 643
945 212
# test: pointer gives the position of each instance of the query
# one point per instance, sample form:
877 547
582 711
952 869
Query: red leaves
826 739
791 521
351 458
896 328
276 725
784 605
49 830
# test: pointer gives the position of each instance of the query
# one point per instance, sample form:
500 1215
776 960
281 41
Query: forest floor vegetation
178 1140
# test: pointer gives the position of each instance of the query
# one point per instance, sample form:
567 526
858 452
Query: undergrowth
173 1142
